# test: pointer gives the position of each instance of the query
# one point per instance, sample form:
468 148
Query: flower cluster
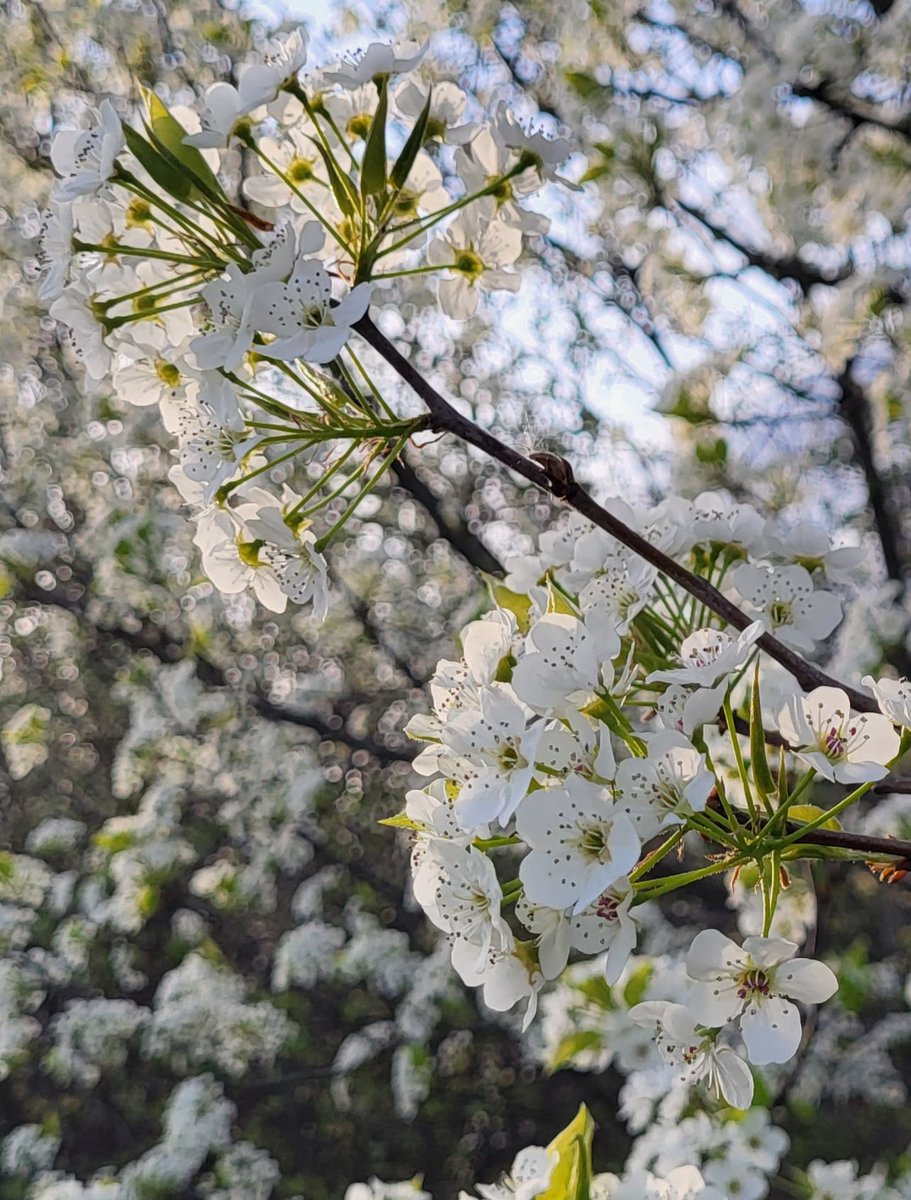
597 716
239 325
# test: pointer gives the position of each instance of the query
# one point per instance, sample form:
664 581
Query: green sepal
373 166
405 161
762 774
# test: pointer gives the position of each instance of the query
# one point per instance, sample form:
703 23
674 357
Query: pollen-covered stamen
753 984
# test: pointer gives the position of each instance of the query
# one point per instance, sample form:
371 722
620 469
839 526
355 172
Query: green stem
375 391
227 488
297 512
650 860
738 758
387 462
311 207
118 249
828 815
660 887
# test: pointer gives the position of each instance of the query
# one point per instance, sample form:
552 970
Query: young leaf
373 168
571 1177
762 775
519 606
173 181
167 134
342 187
405 161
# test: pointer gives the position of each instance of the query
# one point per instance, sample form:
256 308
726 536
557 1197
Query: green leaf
343 189
598 171
405 161
582 83
168 177
572 1175
571 1045
167 134
518 605
557 601
804 813
399 821
762 774
637 986
598 991
783 789
373 167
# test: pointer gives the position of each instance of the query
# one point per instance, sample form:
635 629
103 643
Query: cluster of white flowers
576 732
222 317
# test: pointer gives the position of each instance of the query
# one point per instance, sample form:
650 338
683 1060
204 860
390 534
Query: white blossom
475 250
580 841
85 161
755 983
662 789
683 1041
840 745
261 82
710 656
378 60
784 599
893 697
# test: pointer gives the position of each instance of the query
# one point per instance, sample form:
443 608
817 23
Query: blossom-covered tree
249 272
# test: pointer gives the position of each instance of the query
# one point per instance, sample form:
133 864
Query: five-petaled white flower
581 843
893 697
222 109
301 314
605 926
232 301
528 1176
86 160
683 1040
378 60
566 662
490 752
261 82
710 655
756 983
475 248
788 605
840 745
212 435
666 786
466 898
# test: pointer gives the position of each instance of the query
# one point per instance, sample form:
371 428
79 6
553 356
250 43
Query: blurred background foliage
192 881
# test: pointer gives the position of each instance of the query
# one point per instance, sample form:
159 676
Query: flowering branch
447 419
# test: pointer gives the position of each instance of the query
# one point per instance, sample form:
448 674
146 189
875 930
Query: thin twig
447 419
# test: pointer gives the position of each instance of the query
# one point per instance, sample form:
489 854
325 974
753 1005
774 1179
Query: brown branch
780 267
454 531
153 638
447 419
854 408
826 94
